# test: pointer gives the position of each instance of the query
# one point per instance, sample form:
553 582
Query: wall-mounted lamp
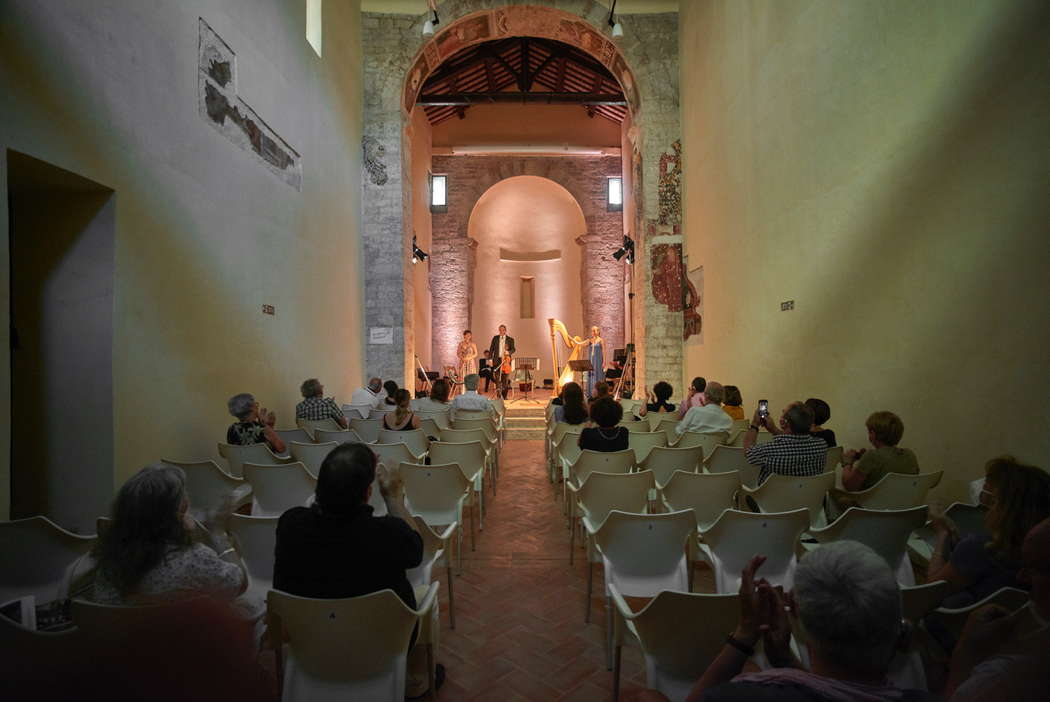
617 28
428 26
627 250
418 254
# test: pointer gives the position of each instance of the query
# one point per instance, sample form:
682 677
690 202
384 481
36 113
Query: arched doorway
527 262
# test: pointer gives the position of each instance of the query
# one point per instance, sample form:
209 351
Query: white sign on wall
381 335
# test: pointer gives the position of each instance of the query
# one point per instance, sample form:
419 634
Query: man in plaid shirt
793 450
316 406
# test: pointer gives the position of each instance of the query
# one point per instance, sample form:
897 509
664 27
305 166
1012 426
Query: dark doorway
61 252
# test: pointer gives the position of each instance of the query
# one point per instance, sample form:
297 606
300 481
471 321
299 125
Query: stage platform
525 420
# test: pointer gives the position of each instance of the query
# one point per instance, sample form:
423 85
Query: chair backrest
430 427
380 412
954 620
484 424
367 429
737 536
676 656
290 435
276 489
642 442
708 441
645 548
599 462
391 455
462 436
604 492
255 539
32 657
35 554
886 532
237 456
639 425
569 447
312 425
783 493
356 411
123 621
729 459
207 485
311 455
968 518
434 492
357 646
668 424
343 436
559 430
834 457
707 495
898 491
468 415
415 439
919 600
470 455
439 418
663 461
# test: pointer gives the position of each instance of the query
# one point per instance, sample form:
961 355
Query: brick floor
520 633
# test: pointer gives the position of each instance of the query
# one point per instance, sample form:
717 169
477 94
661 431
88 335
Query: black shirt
827 435
344 555
604 440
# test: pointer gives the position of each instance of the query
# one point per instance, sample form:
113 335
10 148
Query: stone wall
451 273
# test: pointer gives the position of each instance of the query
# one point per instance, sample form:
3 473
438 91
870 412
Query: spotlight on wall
617 28
428 26
418 254
626 250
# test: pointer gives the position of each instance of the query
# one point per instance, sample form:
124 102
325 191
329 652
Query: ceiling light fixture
617 28
428 26
626 250
418 254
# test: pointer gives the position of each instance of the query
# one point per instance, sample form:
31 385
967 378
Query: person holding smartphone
793 450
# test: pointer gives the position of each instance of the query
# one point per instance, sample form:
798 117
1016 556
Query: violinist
501 350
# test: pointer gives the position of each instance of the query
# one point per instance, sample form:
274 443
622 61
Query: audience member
391 389
863 468
573 408
470 400
694 398
601 389
148 553
402 418
253 425
821 413
1018 498
371 395
708 418
796 453
657 400
373 552
485 368
438 400
1003 655
847 602
733 404
315 406
606 413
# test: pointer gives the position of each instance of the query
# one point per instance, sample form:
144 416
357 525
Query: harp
575 345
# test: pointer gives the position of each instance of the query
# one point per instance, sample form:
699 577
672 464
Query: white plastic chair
954 619
442 419
312 425
436 553
470 457
707 495
731 542
475 435
897 491
276 489
597 462
487 425
642 442
730 459
919 600
886 532
783 493
352 648
356 411
430 427
367 429
392 454
259 454
415 439
380 412
36 556
210 487
676 654
708 441
635 426
342 436
663 461
311 455
834 458
599 495
969 519
438 494
668 424
255 539
290 435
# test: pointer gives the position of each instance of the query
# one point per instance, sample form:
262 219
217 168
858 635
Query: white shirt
502 346
364 396
706 420
471 400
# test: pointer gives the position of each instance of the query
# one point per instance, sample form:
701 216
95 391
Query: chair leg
430 672
572 541
451 598
473 541
608 632
616 673
590 582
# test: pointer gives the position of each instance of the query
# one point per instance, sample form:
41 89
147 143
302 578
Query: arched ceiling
623 7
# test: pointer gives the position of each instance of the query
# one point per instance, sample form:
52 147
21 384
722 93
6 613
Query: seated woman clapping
254 424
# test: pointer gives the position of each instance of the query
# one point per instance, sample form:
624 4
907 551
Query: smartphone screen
763 408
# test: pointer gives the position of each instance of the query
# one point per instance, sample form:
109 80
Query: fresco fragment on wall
221 107
667 275
693 312
374 151
670 186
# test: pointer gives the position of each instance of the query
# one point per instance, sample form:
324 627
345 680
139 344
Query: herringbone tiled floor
520 632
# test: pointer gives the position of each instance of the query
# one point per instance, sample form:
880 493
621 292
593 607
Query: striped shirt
789 454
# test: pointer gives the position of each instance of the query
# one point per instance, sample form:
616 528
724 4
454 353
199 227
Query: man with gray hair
372 395
471 399
708 417
315 406
795 452
848 607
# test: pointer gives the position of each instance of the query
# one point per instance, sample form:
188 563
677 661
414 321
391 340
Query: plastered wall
884 165
205 234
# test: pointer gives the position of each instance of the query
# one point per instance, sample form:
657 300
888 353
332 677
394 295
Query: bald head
375 384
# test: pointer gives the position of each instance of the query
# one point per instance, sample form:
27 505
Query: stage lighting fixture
418 254
617 28
428 26
626 250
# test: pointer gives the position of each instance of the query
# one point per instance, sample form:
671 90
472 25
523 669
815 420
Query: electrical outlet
787 305
269 309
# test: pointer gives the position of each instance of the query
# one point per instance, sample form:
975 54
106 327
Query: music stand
583 366
527 365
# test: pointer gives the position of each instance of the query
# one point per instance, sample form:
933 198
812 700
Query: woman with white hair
848 607
254 425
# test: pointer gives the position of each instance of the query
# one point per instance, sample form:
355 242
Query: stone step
524 434
526 421
526 412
